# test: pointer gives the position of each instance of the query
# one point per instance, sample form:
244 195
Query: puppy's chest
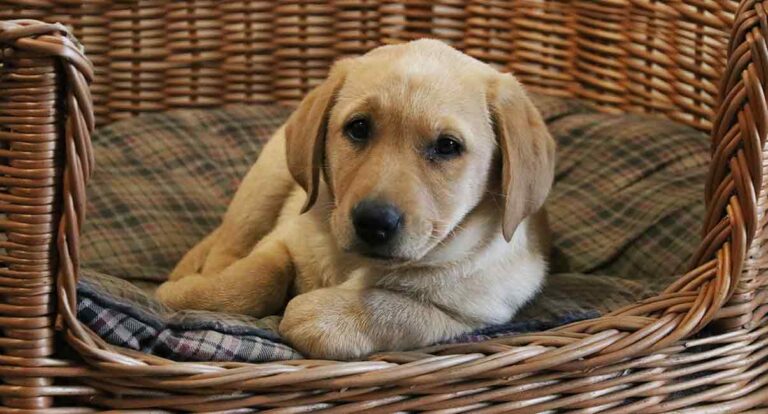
317 261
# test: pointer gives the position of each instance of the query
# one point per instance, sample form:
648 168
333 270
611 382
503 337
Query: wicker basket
701 62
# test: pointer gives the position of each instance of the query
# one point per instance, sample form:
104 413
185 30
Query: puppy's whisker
493 193
453 227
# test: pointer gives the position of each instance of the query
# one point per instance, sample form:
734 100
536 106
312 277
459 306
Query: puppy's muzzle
376 225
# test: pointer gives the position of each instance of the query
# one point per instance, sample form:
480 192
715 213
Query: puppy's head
410 140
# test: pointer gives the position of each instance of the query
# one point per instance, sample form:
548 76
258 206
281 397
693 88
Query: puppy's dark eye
447 147
358 129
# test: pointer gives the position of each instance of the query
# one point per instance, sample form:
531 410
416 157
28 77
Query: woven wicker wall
157 54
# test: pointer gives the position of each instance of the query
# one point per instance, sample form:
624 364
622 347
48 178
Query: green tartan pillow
163 181
628 198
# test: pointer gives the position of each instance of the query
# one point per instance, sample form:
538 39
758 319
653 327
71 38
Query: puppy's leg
255 208
251 215
348 323
255 285
194 259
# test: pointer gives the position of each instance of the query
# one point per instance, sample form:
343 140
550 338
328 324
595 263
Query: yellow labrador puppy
398 206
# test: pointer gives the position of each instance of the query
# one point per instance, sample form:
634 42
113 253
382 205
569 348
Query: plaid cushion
163 181
125 315
625 213
627 181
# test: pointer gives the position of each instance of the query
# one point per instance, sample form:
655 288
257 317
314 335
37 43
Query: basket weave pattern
704 63
150 55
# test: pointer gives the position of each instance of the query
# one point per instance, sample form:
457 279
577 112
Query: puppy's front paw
180 293
321 324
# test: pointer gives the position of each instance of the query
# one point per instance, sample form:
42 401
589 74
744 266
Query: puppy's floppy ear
527 151
305 133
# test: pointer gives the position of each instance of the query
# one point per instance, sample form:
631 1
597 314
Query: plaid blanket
625 213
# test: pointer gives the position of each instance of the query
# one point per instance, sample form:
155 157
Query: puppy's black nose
376 222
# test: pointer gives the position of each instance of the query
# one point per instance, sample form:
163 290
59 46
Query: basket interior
622 230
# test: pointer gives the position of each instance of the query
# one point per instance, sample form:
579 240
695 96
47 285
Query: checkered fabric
125 315
625 213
